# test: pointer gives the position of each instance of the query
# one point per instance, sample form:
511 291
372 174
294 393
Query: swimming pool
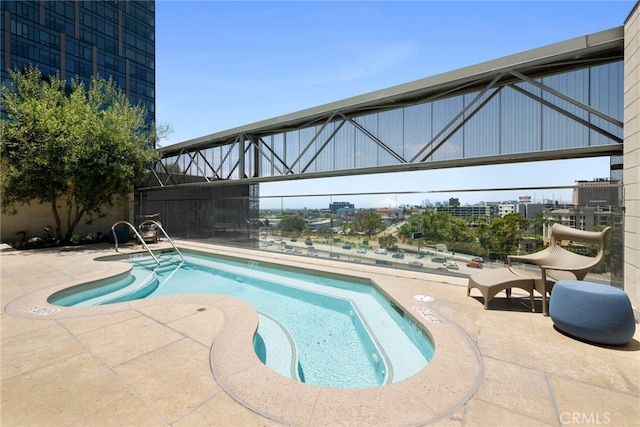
318 329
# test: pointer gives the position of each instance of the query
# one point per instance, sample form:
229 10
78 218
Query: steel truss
456 119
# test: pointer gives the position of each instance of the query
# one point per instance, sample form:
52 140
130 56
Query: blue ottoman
597 313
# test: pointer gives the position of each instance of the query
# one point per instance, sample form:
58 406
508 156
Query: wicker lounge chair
492 281
557 263
148 228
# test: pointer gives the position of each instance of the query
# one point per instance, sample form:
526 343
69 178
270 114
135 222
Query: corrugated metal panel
417 128
482 131
520 121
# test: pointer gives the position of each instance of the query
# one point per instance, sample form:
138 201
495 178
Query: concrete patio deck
166 361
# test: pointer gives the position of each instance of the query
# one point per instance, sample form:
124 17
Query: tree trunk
72 224
56 217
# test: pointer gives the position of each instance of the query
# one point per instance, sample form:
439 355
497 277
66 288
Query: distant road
324 250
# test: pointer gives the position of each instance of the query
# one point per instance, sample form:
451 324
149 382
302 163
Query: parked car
415 264
474 264
381 251
399 255
334 255
347 246
438 259
362 250
478 259
450 265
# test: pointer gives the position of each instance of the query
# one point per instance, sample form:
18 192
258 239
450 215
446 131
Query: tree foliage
387 241
438 227
369 222
293 225
77 149
501 236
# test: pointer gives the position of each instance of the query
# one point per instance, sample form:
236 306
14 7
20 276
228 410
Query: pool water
312 328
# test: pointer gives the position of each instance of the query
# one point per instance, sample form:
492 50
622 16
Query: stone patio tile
28 351
511 387
12 326
85 324
223 411
49 395
127 340
483 414
580 403
573 359
182 382
201 326
130 411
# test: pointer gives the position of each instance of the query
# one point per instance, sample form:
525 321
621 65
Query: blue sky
225 64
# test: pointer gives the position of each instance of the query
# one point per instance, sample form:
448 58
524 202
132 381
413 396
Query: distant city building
336 207
112 39
582 218
506 208
530 210
469 210
454 201
597 192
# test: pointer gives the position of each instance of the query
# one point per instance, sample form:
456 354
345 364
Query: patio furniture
491 282
148 229
592 312
557 263
122 234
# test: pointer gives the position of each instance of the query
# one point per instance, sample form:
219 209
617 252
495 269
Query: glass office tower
110 38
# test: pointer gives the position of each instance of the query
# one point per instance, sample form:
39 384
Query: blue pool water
316 329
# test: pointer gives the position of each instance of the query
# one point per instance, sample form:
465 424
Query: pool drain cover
426 298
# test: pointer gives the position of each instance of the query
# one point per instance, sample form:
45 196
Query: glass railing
401 230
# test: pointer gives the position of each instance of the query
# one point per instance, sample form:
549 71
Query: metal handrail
115 237
165 235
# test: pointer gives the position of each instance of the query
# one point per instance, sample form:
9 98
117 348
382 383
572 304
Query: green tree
438 227
77 149
369 222
293 225
539 222
388 241
502 235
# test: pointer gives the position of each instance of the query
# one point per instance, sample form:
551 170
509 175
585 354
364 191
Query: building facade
337 206
597 192
80 39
